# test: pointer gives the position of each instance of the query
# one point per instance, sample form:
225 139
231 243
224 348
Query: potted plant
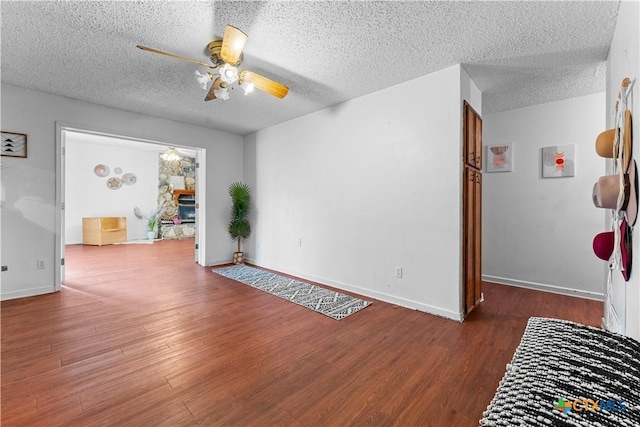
239 226
152 221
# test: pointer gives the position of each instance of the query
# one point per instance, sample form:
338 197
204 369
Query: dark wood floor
141 335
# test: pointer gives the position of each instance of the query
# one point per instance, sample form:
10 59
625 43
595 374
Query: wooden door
477 140
467 243
477 241
472 137
472 238
472 208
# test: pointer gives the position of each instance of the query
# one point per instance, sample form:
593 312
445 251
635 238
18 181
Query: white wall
469 92
28 206
624 61
538 233
87 195
367 185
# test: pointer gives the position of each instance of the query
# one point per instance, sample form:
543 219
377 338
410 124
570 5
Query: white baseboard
369 293
545 287
402 302
26 293
219 262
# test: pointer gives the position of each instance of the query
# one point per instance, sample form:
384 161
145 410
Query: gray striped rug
330 303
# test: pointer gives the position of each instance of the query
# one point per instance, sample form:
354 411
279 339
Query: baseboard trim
26 293
220 262
544 287
369 293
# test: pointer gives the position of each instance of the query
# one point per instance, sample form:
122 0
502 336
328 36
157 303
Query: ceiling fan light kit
229 74
203 79
226 56
171 155
248 88
220 91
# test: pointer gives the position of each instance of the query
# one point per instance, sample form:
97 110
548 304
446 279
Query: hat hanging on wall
607 144
632 207
603 247
606 191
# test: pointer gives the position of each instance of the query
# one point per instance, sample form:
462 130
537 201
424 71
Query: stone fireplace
176 197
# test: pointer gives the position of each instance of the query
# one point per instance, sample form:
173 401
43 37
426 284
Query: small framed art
500 158
176 182
14 144
559 161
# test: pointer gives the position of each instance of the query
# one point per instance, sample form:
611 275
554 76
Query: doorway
69 136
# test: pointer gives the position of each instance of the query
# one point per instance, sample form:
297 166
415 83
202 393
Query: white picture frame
559 161
499 158
177 182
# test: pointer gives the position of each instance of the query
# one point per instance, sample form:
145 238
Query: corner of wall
623 302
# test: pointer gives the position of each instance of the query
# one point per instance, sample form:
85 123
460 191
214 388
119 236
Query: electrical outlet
399 272
299 241
41 264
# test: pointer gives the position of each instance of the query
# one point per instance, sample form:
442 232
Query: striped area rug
567 374
324 301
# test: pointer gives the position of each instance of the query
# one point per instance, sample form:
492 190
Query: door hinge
197 246
61 261
63 206
197 165
197 205
64 151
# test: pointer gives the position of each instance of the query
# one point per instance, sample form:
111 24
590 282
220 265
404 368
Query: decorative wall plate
13 144
129 178
101 170
114 183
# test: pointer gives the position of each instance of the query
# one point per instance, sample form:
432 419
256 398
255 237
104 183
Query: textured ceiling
519 53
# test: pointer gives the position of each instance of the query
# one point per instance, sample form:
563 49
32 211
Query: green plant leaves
240 192
239 226
152 222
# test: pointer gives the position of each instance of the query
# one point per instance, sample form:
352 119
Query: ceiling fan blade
264 84
171 55
233 42
215 85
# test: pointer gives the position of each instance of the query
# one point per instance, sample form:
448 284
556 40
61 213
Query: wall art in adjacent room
500 158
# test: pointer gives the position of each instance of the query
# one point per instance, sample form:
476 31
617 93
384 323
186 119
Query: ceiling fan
226 56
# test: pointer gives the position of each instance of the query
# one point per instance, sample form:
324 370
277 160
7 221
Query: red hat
632 206
603 247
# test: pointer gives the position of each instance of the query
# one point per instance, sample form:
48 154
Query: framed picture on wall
559 161
176 182
14 144
500 158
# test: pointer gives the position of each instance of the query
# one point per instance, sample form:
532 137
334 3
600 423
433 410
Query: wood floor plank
154 339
